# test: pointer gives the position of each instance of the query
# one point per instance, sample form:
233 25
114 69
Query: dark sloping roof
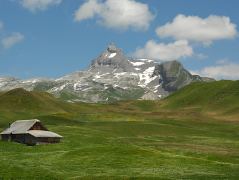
40 133
20 126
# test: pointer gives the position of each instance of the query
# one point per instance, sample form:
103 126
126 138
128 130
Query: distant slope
222 96
20 101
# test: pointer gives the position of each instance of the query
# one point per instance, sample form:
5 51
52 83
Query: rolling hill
127 139
21 103
219 96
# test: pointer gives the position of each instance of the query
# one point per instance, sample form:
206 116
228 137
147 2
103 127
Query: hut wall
23 138
18 138
5 137
47 140
30 140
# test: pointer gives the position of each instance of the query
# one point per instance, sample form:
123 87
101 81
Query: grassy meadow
123 140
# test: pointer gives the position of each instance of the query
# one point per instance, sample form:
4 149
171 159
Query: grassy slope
19 103
126 139
220 96
20 100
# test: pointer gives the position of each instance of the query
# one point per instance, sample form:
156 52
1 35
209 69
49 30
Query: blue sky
51 38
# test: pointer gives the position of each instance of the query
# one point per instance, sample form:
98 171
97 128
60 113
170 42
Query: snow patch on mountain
55 89
118 75
146 60
137 63
112 55
112 76
147 77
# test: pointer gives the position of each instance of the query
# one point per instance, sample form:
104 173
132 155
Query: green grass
128 139
164 148
220 96
20 100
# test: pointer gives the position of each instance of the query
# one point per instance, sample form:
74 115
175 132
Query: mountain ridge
112 76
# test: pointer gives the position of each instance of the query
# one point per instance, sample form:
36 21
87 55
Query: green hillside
18 100
21 103
129 139
218 96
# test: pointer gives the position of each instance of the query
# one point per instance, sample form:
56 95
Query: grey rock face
111 77
111 59
174 76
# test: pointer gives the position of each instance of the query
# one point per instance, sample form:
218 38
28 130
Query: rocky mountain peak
112 58
112 76
175 76
112 48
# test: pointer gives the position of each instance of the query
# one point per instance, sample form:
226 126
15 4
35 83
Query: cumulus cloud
39 5
197 29
164 52
88 10
116 14
11 40
227 70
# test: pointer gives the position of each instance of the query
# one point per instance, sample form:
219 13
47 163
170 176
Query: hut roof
40 133
20 126
24 126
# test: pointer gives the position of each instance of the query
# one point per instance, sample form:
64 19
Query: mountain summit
113 76
113 58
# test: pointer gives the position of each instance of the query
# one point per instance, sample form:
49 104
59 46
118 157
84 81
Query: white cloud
221 71
88 10
194 28
164 52
11 40
116 14
39 5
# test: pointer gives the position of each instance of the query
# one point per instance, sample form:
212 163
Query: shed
30 132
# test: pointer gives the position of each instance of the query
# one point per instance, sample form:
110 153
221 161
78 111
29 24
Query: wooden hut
30 132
